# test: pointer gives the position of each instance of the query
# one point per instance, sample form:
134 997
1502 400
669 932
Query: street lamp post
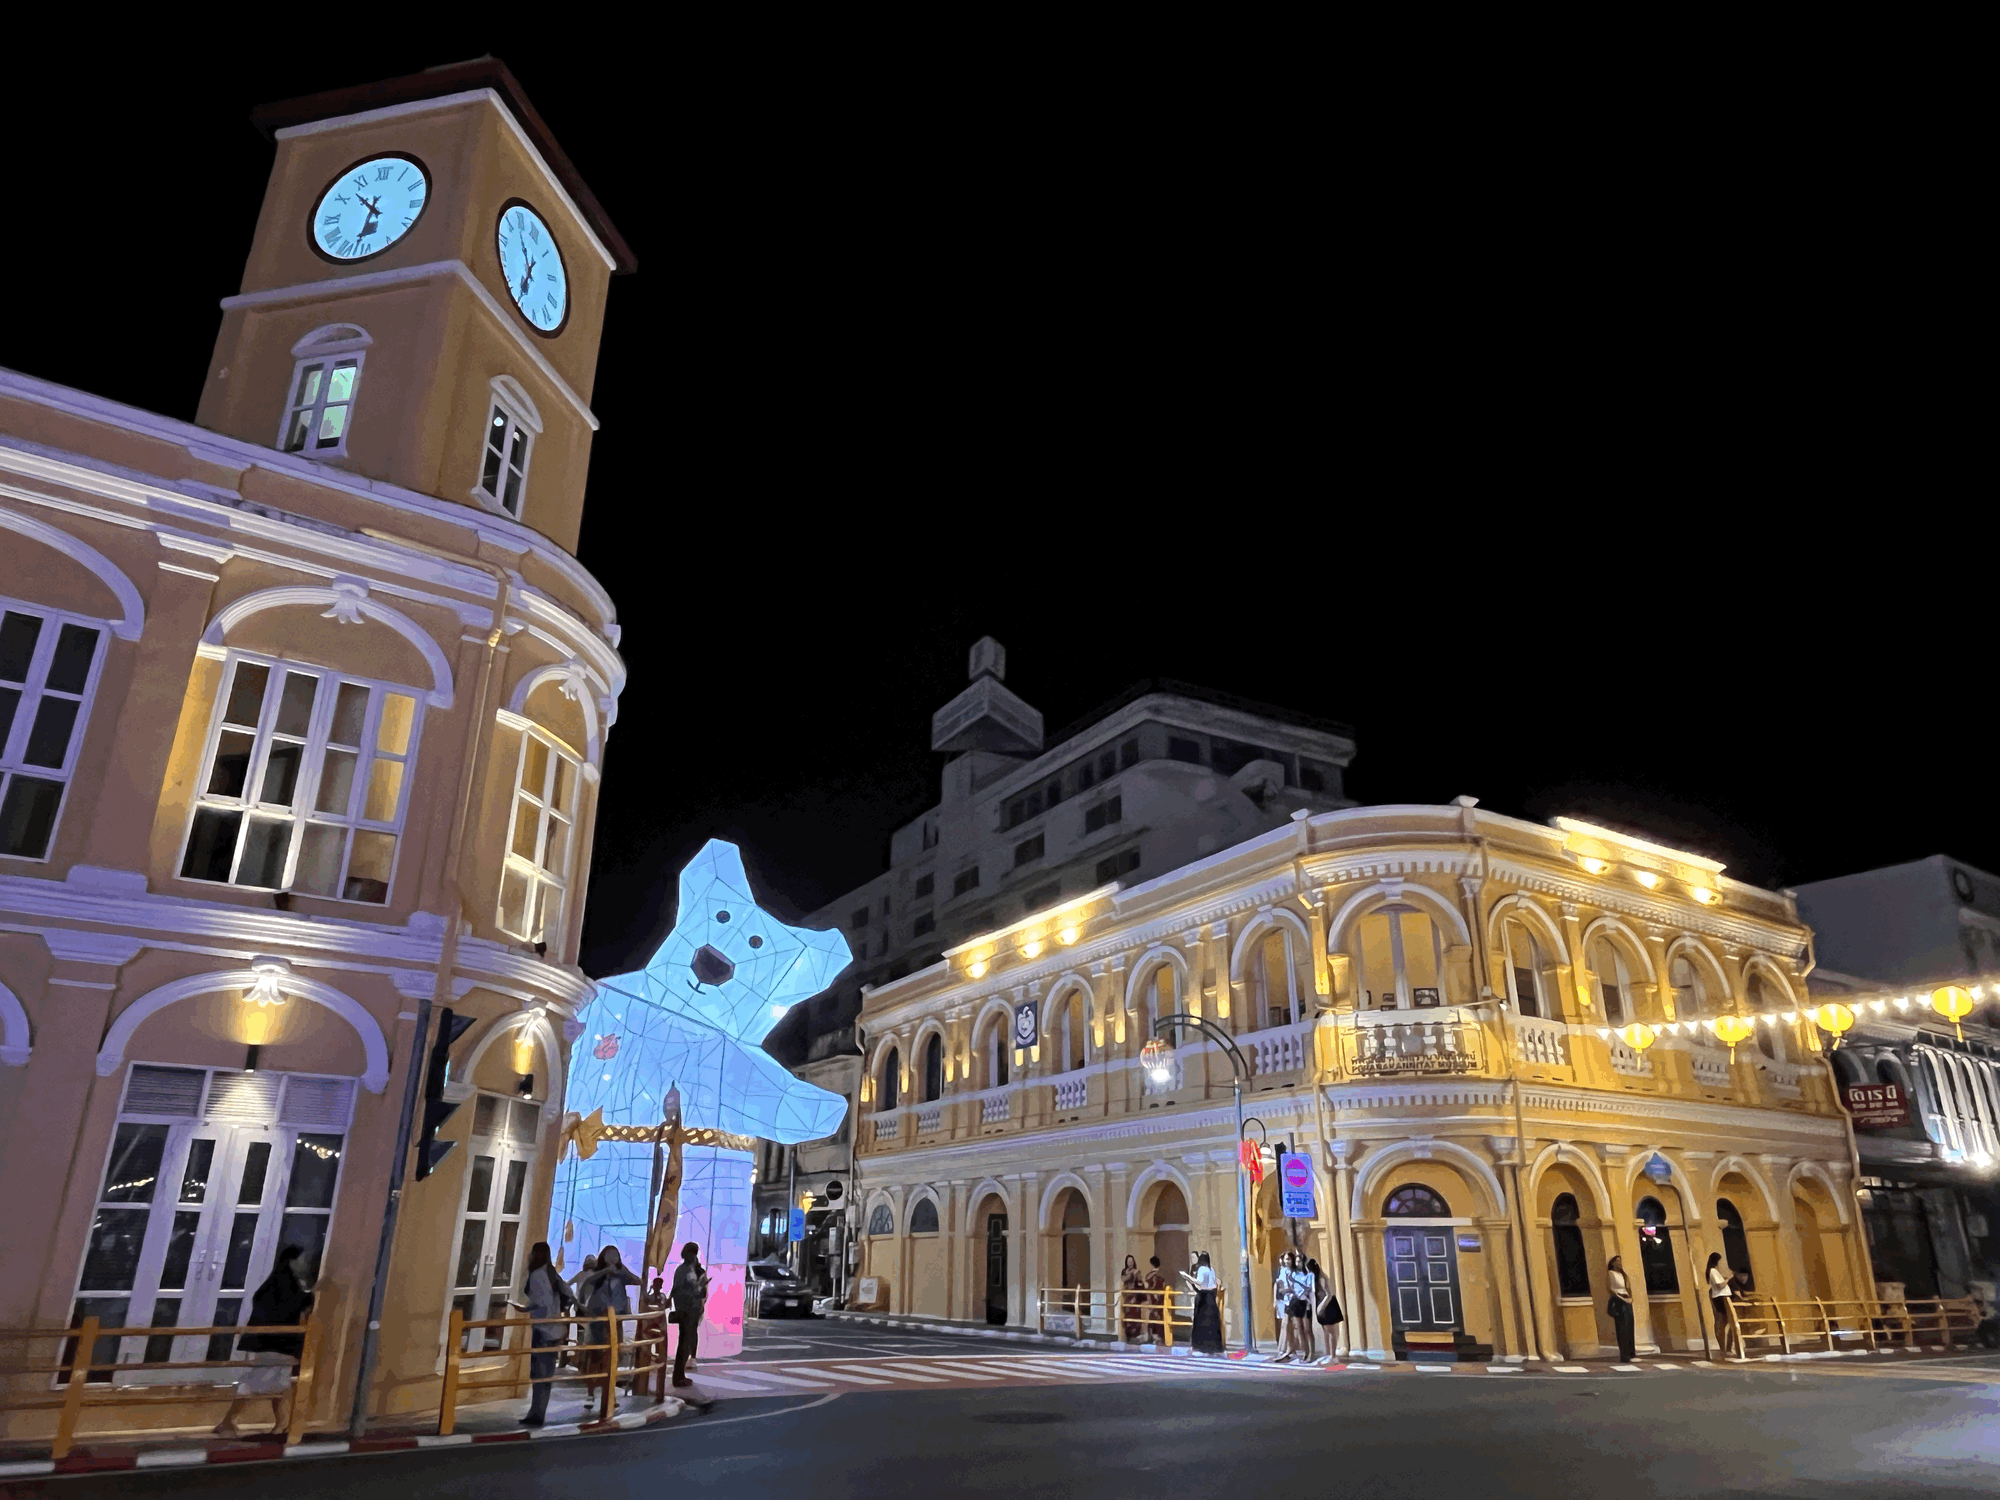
1166 1026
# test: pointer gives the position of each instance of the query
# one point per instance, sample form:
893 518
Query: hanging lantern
1153 1058
1954 1003
1638 1036
1733 1029
1834 1017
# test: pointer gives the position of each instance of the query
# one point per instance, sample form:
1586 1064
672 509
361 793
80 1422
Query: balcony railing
1395 1044
1071 1090
1541 1043
1628 1060
1282 1049
1781 1077
929 1118
993 1109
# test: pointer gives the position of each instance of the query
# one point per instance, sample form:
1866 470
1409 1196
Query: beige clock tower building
302 709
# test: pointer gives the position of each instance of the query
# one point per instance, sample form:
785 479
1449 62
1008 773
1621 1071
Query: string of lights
1953 1002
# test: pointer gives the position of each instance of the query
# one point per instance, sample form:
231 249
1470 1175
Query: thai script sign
1877 1106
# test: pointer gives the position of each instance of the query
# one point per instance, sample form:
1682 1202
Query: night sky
1610 484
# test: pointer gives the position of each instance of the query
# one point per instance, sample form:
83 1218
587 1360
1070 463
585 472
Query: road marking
813 1385
1572 1370
897 1374
832 1374
1503 1369
735 1385
1630 1369
1432 1369
961 1371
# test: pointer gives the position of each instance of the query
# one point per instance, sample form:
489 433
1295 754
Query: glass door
491 1254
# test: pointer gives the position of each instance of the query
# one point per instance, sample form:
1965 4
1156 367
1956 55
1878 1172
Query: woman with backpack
548 1296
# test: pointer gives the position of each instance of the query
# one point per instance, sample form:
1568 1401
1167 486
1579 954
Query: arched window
534 883
1416 1202
325 382
1399 957
1612 980
1735 1243
1767 1033
49 668
887 1095
923 1217
1075 1032
1075 1240
511 427
1572 1260
999 1052
1531 979
1275 984
934 1069
1656 1249
1157 994
881 1219
1691 997
305 782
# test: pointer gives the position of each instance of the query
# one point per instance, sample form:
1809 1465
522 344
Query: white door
491 1253
192 1211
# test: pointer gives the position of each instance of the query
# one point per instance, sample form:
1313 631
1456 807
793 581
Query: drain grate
1021 1418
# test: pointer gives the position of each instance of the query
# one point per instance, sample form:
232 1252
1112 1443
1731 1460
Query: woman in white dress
1207 1315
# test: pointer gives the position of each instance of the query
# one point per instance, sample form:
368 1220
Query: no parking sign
1295 1184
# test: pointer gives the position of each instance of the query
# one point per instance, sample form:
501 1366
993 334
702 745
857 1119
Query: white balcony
1540 1043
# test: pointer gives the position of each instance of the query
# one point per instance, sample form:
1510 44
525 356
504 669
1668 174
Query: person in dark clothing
1620 1306
690 1302
548 1296
281 1301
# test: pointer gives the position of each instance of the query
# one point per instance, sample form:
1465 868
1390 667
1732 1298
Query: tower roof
437 83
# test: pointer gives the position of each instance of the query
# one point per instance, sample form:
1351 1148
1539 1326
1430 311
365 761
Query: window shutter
322 1103
244 1096
164 1091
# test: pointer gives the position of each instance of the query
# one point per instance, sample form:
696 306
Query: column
1028 1248
1218 952
1520 1327
1118 1244
1316 925
1792 1264
1341 1153
1584 1006
1656 949
955 1273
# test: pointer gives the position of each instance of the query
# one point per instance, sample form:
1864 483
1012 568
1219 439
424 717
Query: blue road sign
798 1223
1295 1184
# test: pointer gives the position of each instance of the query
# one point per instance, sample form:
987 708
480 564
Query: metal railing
1800 1326
1137 1316
79 1381
648 1341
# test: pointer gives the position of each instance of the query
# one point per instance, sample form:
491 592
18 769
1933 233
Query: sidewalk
488 1422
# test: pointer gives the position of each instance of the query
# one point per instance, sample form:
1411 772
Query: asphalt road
1843 1428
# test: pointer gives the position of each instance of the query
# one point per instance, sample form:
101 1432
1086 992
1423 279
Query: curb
196 1456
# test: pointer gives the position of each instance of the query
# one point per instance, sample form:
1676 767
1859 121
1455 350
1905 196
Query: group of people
597 1291
1300 1296
1722 1287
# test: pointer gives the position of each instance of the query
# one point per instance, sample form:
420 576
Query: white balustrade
1433 1045
1628 1060
1540 1042
993 1109
1282 1049
1781 1077
1070 1091
929 1119
1710 1066
888 1127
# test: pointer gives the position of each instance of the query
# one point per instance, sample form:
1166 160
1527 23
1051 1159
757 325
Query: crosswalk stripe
832 1374
1032 1369
897 1374
1081 1369
735 1385
959 1371
784 1379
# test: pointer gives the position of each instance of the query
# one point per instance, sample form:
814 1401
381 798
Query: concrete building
1886 940
1427 1001
308 699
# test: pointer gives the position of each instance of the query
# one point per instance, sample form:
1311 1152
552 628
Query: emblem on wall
1026 1032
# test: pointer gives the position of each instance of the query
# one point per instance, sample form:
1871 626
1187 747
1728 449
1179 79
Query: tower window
925 885
536 877
324 384
48 669
305 783
1027 851
965 880
1112 810
1117 865
511 426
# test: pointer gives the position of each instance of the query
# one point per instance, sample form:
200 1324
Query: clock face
533 266
369 207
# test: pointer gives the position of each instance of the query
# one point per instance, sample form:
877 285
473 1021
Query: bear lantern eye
756 942
722 916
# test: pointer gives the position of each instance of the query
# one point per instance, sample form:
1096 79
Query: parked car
780 1294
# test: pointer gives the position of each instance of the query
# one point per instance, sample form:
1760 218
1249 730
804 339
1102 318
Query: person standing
1157 1311
602 1292
1620 1306
690 1302
1326 1308
1722 1299
1207 1315
280 1301
548 1296
1133 1285
1284 1290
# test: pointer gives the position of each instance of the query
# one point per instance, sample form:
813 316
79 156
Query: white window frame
536 875
516 414
325 350
1405 991
34 692
1256 981
303 810
489 1297
1621 975
1535 965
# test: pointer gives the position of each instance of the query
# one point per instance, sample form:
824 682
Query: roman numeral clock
533 267
369 207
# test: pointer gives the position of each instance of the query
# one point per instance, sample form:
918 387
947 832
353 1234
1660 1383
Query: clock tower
424 297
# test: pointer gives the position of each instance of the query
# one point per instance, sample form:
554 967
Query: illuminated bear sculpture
693 1019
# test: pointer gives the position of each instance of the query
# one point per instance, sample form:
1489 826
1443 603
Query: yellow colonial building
1493 1039
303 705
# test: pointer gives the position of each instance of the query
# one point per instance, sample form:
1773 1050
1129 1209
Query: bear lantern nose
711 965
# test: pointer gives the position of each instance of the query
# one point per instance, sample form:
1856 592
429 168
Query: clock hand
526 277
